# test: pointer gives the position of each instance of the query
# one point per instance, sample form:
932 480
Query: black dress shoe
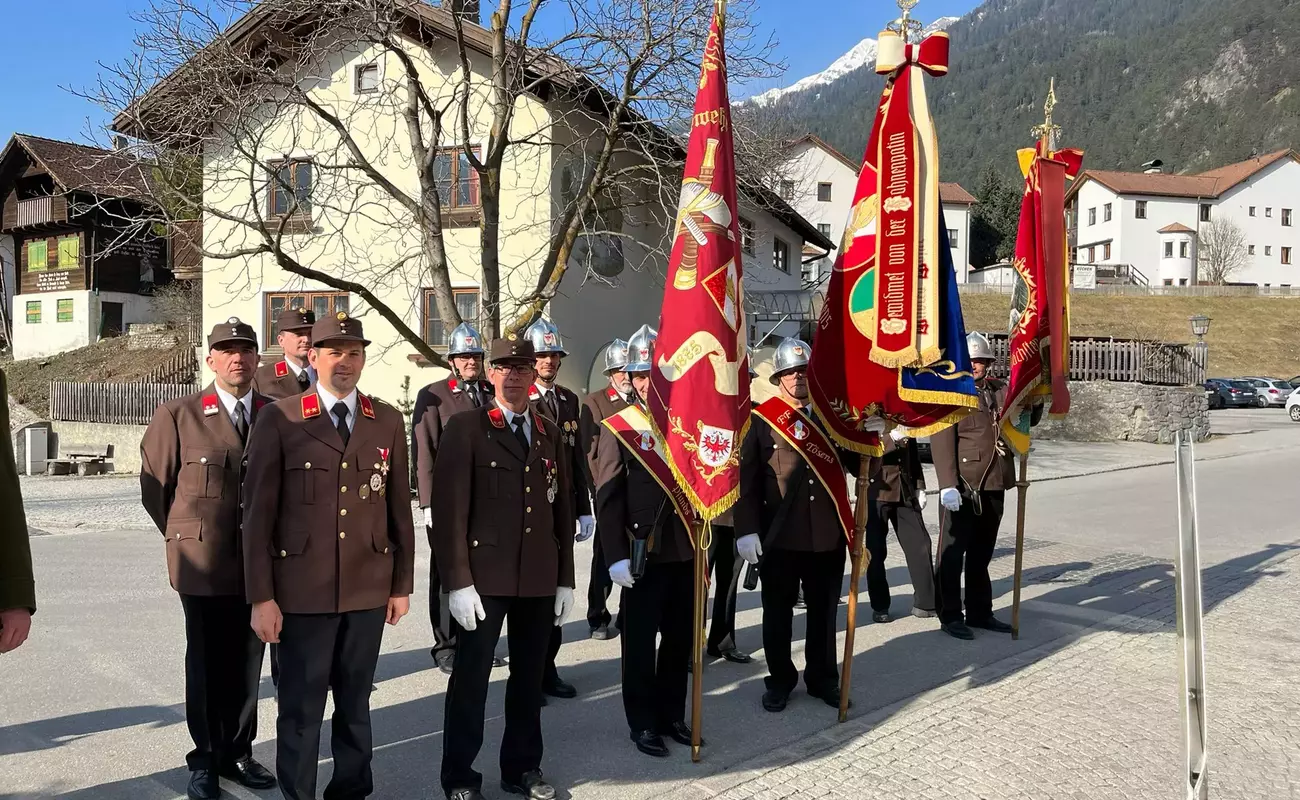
679 732
733 655
922 613
531 785
957 630
464 794
830 697
650 743
775 701
203 785
881 616
991 624
559 688
604 632
444 659
247 772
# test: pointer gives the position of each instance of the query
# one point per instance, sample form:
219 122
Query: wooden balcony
34 213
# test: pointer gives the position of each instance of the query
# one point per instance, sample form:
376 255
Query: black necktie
241 421
518 424
552 405
340 411
304 380
475 397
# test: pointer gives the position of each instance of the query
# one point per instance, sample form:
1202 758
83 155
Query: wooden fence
1126 360
114 403
181 367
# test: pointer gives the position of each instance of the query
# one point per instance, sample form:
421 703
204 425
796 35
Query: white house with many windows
1151 222
819 182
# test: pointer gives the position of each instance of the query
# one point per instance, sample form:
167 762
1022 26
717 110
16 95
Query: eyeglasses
518 369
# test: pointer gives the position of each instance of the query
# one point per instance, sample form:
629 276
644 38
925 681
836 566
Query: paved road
1084 705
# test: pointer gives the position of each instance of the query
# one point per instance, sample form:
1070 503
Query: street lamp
1200 326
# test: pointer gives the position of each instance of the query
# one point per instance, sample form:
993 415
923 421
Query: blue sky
811 33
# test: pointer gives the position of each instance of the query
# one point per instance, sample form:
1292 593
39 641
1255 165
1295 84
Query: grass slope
109 360
1248 335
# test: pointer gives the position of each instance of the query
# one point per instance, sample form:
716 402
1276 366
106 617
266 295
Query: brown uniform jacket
568 425
435 405
630 502
768 466
327 528
17 587
896 476
972 450
496 526
191 483
277 381
596 408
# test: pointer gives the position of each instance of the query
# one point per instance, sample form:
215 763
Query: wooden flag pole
1022 489
697 651
858 555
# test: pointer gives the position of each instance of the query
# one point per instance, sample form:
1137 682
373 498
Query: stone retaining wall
1102 411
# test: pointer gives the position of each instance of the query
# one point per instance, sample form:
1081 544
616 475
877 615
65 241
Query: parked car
1293 405
1231 393
1270 391
1295 382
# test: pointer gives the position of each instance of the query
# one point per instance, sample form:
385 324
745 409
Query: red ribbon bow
893 53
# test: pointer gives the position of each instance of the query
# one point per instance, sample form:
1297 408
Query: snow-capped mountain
862 54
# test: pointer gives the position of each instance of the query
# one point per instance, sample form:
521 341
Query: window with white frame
1092 216
1205 212
823 192
1268 212
1252 211
1182 249
1169 249
780 254
1140 209
952 237
1106 212
1268 249
1286 218
365 78
1286 255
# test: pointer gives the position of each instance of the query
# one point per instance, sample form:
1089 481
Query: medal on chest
379 480
552 483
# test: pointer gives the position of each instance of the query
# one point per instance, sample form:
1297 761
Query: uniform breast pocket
306 480
487 479
203 473
968 454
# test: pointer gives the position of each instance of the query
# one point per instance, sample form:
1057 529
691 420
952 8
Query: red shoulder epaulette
612 393
533 393
454 385
310 405
259 401
281 369
497 416
211 404
367 407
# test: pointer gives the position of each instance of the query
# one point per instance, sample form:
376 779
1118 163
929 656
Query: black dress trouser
444 627
821 574
531 621
319 654
969 537
223 666
655 684
600 587
726 565
915 541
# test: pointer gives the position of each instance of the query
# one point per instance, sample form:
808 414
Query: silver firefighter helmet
615 356
465 341
641 349
791 353
545 338
977 344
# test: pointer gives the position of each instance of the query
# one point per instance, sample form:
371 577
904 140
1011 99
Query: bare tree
1220 251
361 187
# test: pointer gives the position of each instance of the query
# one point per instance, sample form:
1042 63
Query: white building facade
819 181
1152 222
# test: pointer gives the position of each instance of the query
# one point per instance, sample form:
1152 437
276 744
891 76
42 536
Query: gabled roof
1176 227
952 193
1210 184
81 168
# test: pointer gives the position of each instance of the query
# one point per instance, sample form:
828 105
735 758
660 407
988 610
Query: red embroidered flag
699 398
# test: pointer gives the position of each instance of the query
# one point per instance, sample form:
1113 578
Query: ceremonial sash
634 432
817 450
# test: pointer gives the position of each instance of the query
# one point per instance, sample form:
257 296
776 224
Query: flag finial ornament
1049 132
905 26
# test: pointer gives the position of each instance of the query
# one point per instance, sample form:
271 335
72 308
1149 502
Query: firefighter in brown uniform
600 404
292 374
560 405
503 540
896 495
649 554
786 515
192 466
17 585
975 469
329 556
435 404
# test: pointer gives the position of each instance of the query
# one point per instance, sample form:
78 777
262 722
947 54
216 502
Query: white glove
875 424
750 547
466 607
428 517
620 572
898 433
563 604
586 527
950 499
921 499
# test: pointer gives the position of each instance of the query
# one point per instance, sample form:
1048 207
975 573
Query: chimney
1153 167
468 10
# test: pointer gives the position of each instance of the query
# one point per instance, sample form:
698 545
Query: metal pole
858 556
1187 580
1022 489
697 653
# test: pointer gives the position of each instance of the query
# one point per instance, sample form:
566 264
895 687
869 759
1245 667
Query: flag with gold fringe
699 396
890 341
